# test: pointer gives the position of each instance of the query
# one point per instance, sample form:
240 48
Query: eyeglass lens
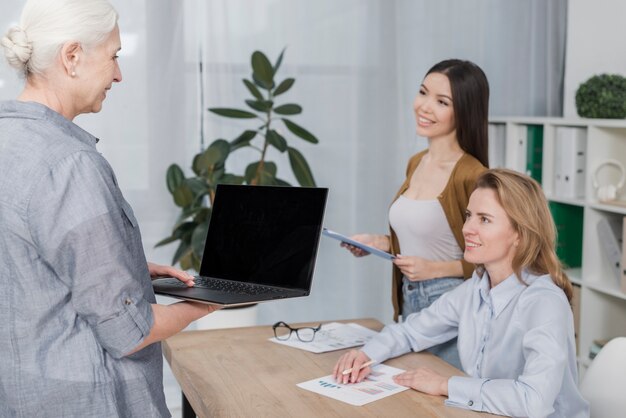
283 331
305 334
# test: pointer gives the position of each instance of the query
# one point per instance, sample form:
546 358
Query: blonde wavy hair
527 208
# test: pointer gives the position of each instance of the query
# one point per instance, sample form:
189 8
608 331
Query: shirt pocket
128 213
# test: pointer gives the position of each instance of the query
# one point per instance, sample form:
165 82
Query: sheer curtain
357 65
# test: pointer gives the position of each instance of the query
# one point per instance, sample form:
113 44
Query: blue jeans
421 294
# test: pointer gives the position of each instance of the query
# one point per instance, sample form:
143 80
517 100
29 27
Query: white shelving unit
602 302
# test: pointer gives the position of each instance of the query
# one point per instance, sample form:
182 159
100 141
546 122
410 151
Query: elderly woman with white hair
79 317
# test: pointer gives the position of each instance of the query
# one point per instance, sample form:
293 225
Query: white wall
596 44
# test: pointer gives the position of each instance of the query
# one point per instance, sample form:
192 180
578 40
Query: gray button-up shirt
75 290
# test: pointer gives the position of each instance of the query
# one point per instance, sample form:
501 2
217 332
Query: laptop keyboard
233 287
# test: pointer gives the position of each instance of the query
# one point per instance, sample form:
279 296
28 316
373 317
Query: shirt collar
34 110
501 295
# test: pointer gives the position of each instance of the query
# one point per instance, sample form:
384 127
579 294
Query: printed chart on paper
377 385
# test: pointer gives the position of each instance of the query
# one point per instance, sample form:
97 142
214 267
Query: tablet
343 238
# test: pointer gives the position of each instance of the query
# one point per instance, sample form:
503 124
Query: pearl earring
73 74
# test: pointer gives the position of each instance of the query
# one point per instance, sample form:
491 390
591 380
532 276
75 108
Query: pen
364 365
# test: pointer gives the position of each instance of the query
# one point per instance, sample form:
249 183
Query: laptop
261 245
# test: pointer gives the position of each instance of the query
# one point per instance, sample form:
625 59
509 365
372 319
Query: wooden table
237 372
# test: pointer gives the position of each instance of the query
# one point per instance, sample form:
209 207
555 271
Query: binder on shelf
623 275
534 151
569 162
519 149
569 227
497 144
575 302
610 237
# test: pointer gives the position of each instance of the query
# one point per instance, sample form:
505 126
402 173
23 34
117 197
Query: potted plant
602 96
194 195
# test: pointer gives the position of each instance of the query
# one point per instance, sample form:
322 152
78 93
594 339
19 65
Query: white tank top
423 230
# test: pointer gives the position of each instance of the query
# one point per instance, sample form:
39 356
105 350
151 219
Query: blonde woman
513 319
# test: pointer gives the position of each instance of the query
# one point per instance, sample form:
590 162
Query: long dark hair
470 98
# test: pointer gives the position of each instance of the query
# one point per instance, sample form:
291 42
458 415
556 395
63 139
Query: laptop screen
264 234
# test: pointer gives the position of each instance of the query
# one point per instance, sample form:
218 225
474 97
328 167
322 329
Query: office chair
604 385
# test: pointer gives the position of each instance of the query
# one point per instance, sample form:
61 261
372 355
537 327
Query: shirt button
410 287
470 403
128 301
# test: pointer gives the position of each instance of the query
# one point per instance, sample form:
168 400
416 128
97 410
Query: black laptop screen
264 234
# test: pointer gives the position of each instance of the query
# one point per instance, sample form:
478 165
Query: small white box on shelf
610 236
569 162
521 150
497 145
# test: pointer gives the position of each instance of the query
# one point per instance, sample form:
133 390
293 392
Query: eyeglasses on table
282 332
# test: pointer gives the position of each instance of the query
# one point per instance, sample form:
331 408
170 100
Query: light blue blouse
516 344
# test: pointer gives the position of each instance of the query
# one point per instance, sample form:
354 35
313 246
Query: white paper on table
333 336
377 385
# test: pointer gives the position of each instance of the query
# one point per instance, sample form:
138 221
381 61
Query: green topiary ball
602 96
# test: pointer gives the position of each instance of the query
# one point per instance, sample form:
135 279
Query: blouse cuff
376 351
464 392
120 334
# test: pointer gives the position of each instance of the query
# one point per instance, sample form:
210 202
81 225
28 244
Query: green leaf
300 131
266 176
216 177
263 72
197 185
242 140
184 230
180 252
288 109
300 168
260 83
253 90
284 86
232 113
281 182
186 213
174 177
186 261
200 200
165 241
267 179
279 60
183 195
232 179
215 154
203 215
195 166
276 140
260 105
198 238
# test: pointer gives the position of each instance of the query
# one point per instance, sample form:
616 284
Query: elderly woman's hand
158 271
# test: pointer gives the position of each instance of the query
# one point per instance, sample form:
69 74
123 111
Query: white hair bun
17 47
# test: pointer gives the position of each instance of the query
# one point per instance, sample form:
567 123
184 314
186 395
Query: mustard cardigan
453 200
